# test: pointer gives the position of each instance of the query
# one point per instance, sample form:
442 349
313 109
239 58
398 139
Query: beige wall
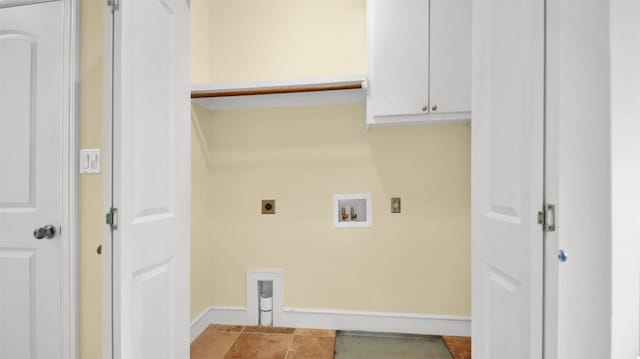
251 40
91 186
415 262
201 266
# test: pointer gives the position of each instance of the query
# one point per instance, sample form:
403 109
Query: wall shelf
303 92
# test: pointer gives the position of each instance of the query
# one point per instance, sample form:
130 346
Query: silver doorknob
47 232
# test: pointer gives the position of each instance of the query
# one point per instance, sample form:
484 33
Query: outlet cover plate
268 206
395 205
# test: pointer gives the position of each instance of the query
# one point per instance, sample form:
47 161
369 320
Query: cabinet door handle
434 108
424 108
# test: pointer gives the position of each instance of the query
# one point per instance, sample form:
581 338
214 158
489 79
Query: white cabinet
450 75
398 56
419 61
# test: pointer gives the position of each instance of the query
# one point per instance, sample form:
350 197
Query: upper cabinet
450 79
419 61
398 44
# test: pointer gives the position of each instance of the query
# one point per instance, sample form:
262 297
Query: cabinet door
450 69
398 56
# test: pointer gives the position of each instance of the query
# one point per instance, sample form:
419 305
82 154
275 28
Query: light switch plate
90 161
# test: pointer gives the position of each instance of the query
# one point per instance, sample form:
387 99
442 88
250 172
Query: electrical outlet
268 206
395 204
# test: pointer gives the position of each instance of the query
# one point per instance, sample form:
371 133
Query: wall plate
89 161
395 205
268 206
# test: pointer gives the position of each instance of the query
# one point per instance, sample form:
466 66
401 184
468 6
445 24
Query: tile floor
460 347
240 342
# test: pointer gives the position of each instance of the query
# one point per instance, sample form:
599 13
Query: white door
507 178
151 179
399 56
31 107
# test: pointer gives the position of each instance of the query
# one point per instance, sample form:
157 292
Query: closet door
33 93
507 178
398 38
151 179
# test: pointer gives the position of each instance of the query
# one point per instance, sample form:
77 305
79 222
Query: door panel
504 338
31 106
17 274
507 178
154 111
154 308
151 179
19 79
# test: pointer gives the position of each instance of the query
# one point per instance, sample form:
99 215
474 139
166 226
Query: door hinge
547 218
112 218
114 4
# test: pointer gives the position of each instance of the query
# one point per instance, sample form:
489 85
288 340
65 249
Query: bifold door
151 179
507 178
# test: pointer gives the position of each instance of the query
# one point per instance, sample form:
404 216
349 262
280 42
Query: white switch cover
90 161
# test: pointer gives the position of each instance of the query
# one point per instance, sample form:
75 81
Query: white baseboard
382 322
218 315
